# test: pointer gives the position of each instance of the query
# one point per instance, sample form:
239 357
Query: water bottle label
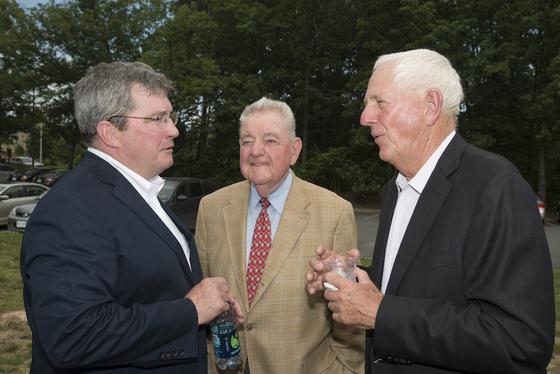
225 340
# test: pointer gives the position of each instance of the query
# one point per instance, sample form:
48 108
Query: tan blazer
286 330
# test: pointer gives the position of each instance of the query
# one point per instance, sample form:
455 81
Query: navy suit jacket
105 280
471 289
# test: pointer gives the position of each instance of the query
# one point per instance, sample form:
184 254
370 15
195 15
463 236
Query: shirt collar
419 181
277 198
146 187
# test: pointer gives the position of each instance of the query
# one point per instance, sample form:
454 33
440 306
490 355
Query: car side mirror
4 197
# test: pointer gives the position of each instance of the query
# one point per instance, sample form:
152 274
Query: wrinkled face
396 120
144 146
266 150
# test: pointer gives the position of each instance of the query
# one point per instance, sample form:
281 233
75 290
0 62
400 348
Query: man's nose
257 148
173 130
368 116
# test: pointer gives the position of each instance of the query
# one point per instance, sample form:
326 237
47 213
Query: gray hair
105 92
422 69
265 104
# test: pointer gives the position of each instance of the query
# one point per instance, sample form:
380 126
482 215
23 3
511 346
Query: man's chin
166 165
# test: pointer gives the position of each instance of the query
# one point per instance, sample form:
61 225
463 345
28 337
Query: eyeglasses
159 119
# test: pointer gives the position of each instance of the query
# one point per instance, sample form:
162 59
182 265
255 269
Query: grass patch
365 262
15 336
15 343
10 277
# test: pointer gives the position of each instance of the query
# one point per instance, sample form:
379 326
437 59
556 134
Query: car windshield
167 190
54 173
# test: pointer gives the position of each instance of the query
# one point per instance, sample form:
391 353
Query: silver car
17 219
14 194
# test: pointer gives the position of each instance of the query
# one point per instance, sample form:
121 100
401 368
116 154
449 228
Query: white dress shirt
149 190
408 194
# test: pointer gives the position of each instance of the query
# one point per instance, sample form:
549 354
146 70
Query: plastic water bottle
226 342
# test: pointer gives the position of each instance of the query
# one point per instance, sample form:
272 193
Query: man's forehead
261 132
263 124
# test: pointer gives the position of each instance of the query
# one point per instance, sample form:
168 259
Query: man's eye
157 118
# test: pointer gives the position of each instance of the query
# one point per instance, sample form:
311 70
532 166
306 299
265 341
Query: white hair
265 104
422 69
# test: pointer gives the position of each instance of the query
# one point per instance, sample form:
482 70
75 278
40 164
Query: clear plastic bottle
226 342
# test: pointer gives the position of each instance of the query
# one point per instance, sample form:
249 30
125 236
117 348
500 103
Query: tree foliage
315 55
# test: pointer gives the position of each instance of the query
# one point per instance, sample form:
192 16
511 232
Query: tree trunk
203 136
542 171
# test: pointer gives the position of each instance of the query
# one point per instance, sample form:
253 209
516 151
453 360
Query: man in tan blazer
286 330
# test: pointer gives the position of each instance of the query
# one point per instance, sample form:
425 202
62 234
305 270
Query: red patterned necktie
259 250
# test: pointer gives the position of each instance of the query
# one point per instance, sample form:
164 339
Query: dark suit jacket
471 289
104 281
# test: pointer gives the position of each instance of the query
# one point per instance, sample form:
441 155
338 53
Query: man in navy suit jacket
461 280
112 279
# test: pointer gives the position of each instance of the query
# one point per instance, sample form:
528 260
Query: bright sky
26 4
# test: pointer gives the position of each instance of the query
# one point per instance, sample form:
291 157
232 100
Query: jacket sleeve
201 238
348 343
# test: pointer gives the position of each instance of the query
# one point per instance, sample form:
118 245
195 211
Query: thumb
353 254
362 276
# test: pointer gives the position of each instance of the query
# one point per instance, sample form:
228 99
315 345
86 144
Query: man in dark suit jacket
462 277
112 279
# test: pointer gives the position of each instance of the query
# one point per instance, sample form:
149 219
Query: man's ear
434 105
106 132
296 149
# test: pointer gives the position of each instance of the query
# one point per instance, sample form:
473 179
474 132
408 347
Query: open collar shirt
409 192
148 189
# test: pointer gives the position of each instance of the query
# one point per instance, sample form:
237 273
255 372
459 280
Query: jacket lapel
293 222
129 196
428 207
195 271
125 192
385 218
235 221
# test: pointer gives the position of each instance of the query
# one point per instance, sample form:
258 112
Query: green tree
69 38
19 98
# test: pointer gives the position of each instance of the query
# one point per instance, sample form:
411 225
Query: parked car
18 216
20 169
6 173
51 177
14 194
542 209
25 160
29 175
182 195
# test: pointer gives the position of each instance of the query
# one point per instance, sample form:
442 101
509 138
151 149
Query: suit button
175 353
162 355
167 354
181 352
